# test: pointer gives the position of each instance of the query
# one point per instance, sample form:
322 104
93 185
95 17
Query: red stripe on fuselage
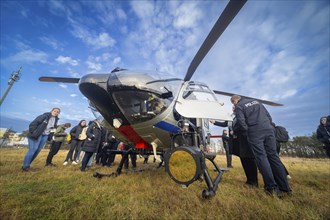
131 135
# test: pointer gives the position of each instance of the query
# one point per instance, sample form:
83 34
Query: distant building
2 131
13 139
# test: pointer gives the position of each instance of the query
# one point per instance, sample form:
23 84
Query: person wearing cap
58 138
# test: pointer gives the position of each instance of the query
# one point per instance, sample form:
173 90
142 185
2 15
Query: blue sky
275 50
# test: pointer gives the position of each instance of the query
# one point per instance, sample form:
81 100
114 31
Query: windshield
140 106
198 92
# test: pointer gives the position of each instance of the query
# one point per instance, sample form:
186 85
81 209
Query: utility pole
13 78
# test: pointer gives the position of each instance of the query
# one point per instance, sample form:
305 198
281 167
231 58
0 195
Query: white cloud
103 40
144 10
75 74
69 60
28 56
187 15
289 93
104 62
116 61
121 14
93 66
59 8
64 86
100 40
73 95
53 102
51 42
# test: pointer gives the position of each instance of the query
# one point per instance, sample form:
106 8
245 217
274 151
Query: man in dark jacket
254 120
39 130
323 133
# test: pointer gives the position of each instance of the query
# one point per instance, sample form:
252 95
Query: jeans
35 146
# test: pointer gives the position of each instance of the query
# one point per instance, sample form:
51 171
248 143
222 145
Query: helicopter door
196 100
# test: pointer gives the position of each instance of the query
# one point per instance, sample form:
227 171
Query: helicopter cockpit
141 97
139 106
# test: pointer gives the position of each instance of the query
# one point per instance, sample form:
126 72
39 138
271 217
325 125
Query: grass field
66 193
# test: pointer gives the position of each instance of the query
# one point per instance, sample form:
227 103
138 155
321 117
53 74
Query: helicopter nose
92 84
94 79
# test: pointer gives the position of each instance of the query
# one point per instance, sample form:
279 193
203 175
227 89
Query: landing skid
212 186
121 164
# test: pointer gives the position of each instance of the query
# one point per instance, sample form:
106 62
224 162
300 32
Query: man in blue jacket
39 130
253 119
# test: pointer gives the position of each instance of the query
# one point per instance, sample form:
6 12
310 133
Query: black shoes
273 192
26 169
29 169
50 165
251 185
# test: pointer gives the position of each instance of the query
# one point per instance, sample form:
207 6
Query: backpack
281 134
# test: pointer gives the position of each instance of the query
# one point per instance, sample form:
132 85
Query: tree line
299 146
304 146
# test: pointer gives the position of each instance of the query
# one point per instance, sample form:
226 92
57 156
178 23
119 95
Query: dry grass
67 193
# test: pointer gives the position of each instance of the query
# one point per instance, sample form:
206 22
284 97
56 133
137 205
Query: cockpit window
140 106
95 112
198 92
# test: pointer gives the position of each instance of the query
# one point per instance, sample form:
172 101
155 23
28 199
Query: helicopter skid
212 185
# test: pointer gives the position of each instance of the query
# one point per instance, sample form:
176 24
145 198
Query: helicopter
164 117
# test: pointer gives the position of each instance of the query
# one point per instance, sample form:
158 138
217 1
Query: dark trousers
85 160
327 149
54 148
99 155
133 160
108 158
73 146
77 150
263 145
251 170
278 150
228 154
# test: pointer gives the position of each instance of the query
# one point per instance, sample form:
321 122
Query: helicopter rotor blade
231 10
59 79
260 100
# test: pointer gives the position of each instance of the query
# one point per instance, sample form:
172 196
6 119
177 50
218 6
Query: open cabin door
196 100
